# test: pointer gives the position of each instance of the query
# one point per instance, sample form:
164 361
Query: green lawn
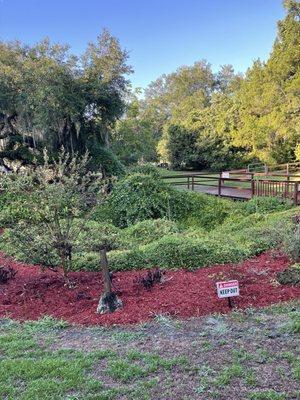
244 355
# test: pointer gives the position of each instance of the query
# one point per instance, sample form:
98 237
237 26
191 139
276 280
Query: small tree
57 194
57 201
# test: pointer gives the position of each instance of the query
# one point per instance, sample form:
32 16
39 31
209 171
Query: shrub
141 197
231 242
87 235
172 252
292 244
137 198
103 158
193 209
290 276
145 169
86 261
266 205
148 231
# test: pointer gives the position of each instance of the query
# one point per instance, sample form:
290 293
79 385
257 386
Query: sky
160 35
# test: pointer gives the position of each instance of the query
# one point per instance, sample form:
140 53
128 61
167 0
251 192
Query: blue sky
160 35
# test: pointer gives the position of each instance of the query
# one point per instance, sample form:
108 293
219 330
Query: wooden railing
244 187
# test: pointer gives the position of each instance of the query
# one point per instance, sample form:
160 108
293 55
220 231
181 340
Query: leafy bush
103 158
141 197
172 252
292 244
88 235
145 169
290 276
193 209
148 231
231 242
86 261
137 198
266 205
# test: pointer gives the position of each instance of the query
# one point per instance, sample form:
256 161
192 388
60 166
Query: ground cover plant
244 355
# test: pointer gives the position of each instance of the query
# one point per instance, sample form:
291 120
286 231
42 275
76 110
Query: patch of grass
124 371
45 324
266 395
229 373
295 322
250 378
126 337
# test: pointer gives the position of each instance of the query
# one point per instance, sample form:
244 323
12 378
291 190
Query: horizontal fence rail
244 187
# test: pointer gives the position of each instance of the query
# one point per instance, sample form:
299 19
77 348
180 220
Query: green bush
148 231
172 252
141 197
193 209
145 169
266 205
86 261
89 235
231 242
103 158
137 198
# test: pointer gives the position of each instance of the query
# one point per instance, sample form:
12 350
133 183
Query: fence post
295 193
266 169
252 185
287 169
193 182
188 182
219 184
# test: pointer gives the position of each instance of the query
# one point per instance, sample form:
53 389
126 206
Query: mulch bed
31 293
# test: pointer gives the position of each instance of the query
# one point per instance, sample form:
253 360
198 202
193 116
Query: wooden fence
244 187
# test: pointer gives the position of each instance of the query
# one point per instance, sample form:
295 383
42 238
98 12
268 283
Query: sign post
228 289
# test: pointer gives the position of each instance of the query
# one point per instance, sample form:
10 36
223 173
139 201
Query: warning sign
228 289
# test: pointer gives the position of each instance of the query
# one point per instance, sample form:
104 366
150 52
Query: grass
49 359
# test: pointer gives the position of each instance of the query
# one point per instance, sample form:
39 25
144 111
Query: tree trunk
109 301
105 271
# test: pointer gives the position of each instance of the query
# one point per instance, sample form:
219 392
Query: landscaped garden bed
32 294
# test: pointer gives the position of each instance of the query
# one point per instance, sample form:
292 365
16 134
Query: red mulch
32 293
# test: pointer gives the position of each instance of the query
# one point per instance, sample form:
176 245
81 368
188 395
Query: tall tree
49 97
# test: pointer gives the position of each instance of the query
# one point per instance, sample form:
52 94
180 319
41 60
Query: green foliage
266 205
181 148
232 241
267 395
173 252
145 169
137 198
56 196
49 97
148 231
292 244
103 159
193 209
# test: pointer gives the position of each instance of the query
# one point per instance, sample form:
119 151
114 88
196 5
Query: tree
50 98
132 139
57 195
268 100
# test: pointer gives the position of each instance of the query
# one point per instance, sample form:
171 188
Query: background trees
200 119
50 98
193 117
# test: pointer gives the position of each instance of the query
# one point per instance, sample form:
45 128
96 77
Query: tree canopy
49 97
202 119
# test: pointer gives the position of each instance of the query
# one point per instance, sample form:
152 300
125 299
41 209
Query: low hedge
147 231
231 243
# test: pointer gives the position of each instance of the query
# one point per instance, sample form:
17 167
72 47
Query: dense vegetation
200 119
191 118
49 97
144 222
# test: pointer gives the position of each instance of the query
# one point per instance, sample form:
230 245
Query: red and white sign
228 289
